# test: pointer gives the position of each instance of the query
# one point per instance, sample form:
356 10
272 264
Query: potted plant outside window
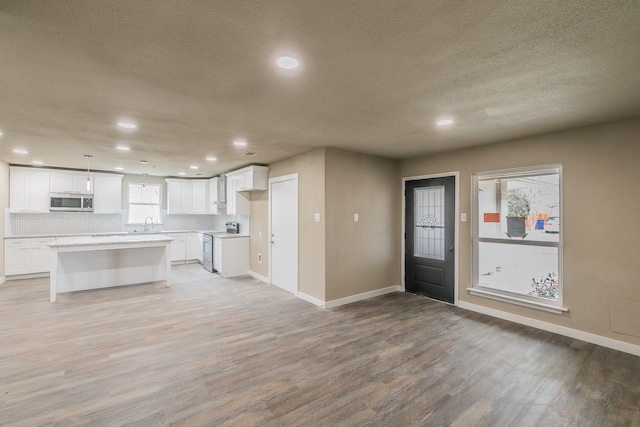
518 207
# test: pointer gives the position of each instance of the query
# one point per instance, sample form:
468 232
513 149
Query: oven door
207 252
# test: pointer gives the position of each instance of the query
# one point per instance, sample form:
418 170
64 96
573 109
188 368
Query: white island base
80 264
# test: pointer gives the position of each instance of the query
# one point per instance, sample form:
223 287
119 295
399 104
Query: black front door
430 237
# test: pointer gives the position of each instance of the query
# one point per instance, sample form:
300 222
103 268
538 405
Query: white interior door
283 214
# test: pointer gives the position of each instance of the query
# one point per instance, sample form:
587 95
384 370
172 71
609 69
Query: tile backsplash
57 223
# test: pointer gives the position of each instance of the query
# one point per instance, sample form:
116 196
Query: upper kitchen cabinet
251 178
199 196
107 193
70 182
28 190
215 199
185 196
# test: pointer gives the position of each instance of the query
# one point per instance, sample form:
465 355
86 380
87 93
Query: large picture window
518 236
144 202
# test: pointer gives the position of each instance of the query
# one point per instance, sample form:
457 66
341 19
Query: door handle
451 249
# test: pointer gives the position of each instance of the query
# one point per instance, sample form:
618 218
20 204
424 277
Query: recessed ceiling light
20 151
123 148
240 143
119 168
211 159
445 122
181 173
193 167
37 162
144 162
287 62
127 125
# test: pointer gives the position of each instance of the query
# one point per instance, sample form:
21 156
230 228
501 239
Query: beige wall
601 182
259 232
361 256
311 199
337 256
4 203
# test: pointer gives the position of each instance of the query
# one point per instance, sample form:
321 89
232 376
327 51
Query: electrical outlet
355 217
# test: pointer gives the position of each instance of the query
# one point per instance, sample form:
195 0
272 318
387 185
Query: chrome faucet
146 228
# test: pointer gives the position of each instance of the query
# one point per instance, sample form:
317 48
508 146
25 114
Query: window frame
502 295
129 203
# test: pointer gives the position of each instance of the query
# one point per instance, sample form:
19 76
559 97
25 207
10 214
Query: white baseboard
2 280
26 276
312 300
556 329
258 276
365 295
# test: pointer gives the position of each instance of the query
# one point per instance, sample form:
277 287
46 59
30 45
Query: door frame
289 177
456 267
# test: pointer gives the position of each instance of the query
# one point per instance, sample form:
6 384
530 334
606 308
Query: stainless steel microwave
71 202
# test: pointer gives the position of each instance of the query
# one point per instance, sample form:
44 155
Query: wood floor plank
212 351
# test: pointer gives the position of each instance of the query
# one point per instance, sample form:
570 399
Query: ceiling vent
249 154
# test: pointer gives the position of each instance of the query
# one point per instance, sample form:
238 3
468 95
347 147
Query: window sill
517 301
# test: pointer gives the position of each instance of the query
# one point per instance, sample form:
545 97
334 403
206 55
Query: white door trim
293 176
456 269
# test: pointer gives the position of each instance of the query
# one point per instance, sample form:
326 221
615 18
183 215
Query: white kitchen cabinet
194 247
70 182
174 197
250 178
178 247
215 206
107 193
28 190
231 195
179 196
199 196
237 201
186 196
27 256
231 256
242 181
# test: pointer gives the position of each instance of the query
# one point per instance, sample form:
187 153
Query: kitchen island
83 263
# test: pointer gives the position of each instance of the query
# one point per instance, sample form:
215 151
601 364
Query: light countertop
114 233
108 240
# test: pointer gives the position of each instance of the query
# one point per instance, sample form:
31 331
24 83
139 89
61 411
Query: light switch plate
463 217
355 217
316 217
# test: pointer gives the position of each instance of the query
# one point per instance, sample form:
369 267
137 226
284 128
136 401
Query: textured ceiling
375 76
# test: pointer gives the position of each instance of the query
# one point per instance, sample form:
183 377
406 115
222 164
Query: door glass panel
429 221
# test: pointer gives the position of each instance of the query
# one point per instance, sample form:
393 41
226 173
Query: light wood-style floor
209 351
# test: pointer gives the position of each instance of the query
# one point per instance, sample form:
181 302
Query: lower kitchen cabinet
178 247
231 256
186 247
194 247
27 256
